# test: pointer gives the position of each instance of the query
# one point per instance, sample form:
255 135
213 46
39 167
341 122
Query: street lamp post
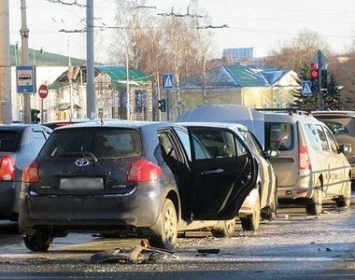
24 33
127 89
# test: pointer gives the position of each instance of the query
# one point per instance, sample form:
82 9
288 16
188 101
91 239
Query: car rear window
279 136
9 140
102 142
338 126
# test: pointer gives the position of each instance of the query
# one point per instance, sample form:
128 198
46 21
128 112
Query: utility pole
5 64
90 74
24 33
128 105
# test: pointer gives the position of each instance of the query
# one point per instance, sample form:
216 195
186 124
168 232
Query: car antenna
101 120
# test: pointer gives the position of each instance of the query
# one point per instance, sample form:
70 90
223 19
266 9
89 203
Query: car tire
271 211
314 204
224 228
168 227
344 201
252 222
40 241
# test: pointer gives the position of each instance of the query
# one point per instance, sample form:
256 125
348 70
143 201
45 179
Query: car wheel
271 211
168 227
224 228
38 242
252 222
314 205
345 199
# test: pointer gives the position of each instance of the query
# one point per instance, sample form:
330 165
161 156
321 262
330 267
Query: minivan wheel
252 222
168 227
314 204
38 242
224 228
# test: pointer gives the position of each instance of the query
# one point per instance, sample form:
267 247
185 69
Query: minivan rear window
103 142
279 136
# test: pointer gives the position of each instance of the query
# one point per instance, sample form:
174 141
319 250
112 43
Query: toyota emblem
82 162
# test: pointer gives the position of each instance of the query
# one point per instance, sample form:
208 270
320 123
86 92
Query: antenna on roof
101 116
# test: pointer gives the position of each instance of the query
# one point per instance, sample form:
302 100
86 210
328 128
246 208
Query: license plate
82 184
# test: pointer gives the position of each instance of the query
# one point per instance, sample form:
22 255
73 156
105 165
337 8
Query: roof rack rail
290 111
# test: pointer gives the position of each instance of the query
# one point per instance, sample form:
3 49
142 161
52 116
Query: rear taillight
303 155
31 173
7 169
143 171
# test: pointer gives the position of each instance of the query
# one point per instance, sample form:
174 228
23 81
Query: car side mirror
345 149
271 153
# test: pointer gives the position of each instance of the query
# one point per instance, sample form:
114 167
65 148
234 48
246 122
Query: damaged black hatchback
146 179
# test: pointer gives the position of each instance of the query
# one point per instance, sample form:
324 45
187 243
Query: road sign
26 79
43 91
306 88
168 81
321 59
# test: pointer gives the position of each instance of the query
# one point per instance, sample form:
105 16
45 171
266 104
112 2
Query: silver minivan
310 166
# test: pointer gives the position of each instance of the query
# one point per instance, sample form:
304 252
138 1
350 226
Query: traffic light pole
168 106
319 93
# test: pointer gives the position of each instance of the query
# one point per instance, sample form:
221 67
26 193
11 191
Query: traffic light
34 116
324 80
314 73
162 105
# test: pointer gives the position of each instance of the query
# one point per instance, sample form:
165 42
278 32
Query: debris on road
206 252
142 253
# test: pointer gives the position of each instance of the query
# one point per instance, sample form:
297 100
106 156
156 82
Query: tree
295 54
170 42
343 68
332 97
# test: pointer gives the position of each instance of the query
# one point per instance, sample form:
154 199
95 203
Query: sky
263 25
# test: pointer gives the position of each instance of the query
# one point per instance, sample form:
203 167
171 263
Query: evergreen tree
332 96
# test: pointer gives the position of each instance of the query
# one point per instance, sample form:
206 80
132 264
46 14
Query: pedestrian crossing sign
167 81
306 88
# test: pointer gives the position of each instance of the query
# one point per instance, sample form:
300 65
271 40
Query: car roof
22 126
334 113
116 123
233 126
289 116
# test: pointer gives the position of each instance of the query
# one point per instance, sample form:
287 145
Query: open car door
223 171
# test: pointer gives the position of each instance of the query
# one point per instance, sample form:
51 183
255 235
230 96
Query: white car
261 203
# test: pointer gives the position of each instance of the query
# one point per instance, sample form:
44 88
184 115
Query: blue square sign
306 88
26 79
168 81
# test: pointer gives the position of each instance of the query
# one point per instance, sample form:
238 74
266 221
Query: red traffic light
314 70
314 73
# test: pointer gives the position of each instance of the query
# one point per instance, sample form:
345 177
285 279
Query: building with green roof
251 86
111 85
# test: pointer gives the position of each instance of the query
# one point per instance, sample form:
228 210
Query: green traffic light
34 116
162 105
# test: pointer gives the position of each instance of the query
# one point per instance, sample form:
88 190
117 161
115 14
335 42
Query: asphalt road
293 246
